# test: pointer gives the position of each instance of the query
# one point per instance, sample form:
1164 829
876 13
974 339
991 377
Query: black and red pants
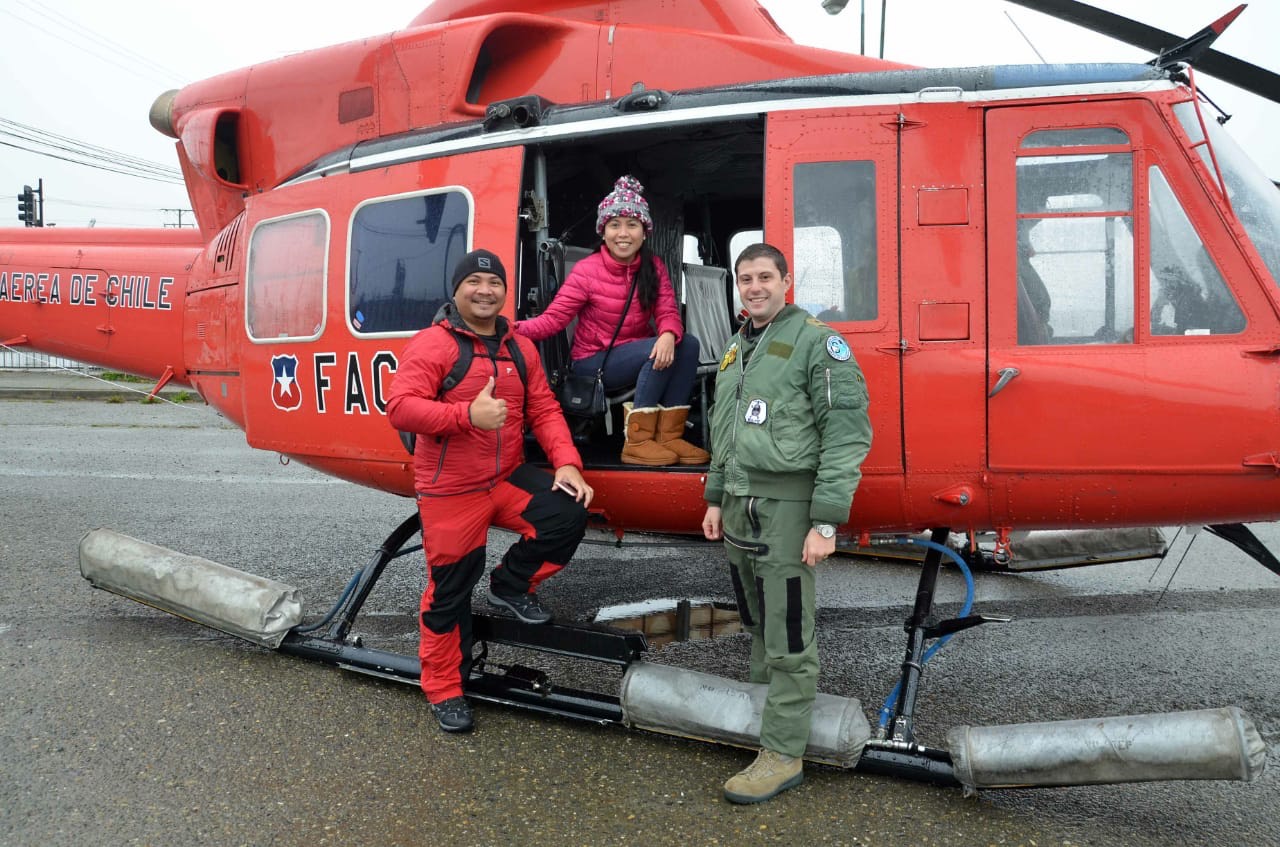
454 531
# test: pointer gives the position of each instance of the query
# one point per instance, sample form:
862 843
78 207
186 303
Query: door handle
1006 376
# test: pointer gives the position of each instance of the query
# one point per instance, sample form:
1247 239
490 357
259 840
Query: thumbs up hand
487 411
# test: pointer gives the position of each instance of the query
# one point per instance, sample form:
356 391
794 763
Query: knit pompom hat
625 201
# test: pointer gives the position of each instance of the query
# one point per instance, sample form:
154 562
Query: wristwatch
826 530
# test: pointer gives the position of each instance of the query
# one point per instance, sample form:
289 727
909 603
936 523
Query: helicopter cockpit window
284 286
1188 293
835 262
402 252
1075 246
1254 198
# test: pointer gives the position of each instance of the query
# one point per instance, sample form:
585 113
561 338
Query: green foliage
119 376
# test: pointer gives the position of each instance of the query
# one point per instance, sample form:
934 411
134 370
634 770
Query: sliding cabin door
831 207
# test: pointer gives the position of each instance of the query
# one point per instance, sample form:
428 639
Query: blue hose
892 700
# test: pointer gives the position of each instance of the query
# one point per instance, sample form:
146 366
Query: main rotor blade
1229 69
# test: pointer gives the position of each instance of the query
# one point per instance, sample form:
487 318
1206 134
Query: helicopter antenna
1042 59
884 11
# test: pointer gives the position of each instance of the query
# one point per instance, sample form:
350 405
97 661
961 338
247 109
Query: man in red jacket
470 473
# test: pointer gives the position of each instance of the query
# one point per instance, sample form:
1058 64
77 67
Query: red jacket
595 293
452 456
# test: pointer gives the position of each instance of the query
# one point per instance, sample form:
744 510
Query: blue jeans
629 364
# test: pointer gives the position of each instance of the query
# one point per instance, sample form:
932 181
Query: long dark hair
647 278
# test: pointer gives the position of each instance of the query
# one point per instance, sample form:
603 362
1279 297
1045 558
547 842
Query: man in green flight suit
789 431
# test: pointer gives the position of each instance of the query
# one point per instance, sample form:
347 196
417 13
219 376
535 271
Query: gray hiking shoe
525 606
454 714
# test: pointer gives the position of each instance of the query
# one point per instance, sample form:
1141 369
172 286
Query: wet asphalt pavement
121 725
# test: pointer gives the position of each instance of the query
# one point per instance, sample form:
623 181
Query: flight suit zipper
752 547
742 378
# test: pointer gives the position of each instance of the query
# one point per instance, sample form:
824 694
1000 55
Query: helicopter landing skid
330 640
1204 744
895 748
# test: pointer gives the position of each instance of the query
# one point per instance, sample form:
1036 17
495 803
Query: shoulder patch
838 348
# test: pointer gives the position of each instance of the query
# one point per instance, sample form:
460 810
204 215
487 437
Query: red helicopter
1060 280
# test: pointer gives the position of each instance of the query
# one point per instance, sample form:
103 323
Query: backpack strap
517 358
467 353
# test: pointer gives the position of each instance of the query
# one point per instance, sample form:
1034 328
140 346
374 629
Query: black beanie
478 261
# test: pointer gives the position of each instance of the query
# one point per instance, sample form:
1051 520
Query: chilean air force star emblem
285 393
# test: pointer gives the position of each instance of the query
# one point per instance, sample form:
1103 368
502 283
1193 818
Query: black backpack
466 353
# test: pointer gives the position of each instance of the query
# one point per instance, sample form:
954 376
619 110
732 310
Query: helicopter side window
402 251
1075 244
1254 198
835 240
1188 293
284 286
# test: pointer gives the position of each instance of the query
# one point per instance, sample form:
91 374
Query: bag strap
626 308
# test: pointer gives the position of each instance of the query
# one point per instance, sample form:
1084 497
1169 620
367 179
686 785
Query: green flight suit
789 432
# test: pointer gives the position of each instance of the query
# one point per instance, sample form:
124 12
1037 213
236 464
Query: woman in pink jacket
652 352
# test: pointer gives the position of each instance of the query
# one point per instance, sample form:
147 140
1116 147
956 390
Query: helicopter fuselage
1061 321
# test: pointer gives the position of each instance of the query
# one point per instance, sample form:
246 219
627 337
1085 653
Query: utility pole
29 212
178 225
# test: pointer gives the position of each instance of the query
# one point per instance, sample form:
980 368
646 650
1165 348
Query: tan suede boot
670 432
768 776
640 448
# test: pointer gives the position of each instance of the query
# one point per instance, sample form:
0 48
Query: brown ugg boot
640 448
670 434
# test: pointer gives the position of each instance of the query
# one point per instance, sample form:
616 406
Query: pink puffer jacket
595 293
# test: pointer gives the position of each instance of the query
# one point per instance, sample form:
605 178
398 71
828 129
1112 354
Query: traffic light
27 206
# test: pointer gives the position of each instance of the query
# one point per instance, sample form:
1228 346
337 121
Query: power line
149 76
117 207
92 157
141 170
59 19
89 155
123 158
90 164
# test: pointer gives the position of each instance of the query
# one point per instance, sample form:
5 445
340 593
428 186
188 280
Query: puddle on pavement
663 621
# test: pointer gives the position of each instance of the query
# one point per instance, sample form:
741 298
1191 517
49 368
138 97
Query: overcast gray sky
89 70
